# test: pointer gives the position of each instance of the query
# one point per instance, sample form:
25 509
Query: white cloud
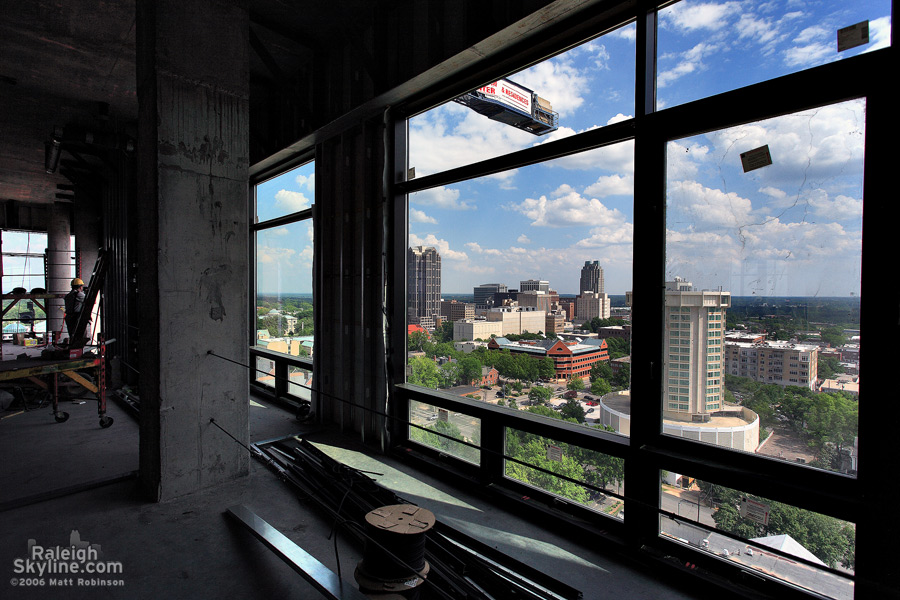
810 55
308 182
617 158
706 208
440 197
813 145
452 135
291 201
839 208
611 185
442 246
280 231
419 216
268 254
690 61
879 33
682 159
690 16
567 208
602 237
523 239
811 34
558 81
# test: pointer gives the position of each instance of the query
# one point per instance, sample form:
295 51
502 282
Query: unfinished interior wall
349 280
193 81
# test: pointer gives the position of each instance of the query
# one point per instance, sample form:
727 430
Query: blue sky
792 228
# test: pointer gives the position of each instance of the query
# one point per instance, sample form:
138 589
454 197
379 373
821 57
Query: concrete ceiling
72 63
62 63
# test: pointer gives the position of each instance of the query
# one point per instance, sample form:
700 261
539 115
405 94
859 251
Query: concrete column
59 271
193 154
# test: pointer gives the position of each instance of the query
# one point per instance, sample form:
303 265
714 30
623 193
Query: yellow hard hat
76 282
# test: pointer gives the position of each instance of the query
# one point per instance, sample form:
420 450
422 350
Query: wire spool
397 531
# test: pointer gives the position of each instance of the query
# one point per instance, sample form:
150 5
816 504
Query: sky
790 228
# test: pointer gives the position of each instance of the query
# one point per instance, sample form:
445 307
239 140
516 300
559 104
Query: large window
26 263
763 286
517 280
283 303
713 196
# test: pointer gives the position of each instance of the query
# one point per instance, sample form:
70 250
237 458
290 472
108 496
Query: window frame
648 451
279 392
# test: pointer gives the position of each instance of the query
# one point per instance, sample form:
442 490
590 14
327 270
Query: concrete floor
187 548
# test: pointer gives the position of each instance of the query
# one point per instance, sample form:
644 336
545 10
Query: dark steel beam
318 575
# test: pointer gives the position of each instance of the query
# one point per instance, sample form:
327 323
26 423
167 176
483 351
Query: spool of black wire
394 558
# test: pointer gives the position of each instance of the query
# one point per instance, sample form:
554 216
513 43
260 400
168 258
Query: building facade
781 363
694 351
518 319
592 277
570 359
485 292
590 305
476 329
423 274
534 285
457 311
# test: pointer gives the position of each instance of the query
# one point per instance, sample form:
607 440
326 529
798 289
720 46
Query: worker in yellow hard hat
74 302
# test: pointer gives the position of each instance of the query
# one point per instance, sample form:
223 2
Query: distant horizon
303 294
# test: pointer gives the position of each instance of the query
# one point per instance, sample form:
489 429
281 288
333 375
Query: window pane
573 462
709 47
589 86
456 425
288 193
762 292
764 526
553 328
284 288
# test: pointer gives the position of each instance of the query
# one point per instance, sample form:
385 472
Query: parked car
570 394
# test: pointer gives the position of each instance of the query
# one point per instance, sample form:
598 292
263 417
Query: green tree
424 372
601 370
534 452
470 369
622 378
600 387
575 383
539 394
416 341
573 409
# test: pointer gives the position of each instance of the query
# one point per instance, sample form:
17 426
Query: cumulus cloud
839 208
611 185
269 254
442 246
419 216
290 201
441 197
308 182
559 81
707 208
567 208
523 239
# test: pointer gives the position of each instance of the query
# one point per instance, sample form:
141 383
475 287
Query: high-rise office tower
485 292
694 375
423 278
592 277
